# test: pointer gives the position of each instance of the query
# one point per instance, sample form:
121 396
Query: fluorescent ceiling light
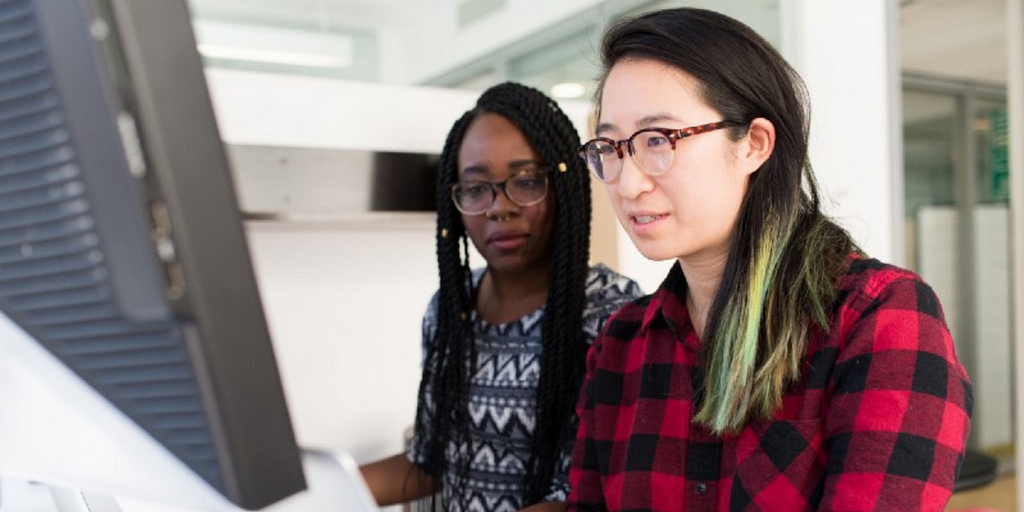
255 43
270 56
568 90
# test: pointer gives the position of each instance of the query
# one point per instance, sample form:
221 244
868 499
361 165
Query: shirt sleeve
900 405
607 292
584 473
424 408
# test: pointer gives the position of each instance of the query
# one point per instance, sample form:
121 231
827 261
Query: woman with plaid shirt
777 367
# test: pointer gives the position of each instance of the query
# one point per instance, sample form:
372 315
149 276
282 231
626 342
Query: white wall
344 294
281 110
845 52
993 399
343 303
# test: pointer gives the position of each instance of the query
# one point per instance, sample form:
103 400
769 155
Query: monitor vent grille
54 279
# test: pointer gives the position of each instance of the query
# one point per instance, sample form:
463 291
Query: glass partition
956 195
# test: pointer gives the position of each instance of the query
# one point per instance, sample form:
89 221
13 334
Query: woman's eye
657 141
527 183
475 189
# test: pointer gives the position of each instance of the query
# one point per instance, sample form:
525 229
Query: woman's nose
633 181
502 206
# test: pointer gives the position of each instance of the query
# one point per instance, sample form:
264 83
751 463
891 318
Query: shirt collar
669 303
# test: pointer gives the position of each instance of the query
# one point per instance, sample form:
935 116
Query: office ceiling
317 14
962 40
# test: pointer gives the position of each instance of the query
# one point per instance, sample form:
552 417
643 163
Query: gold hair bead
562 167
462 316
444 233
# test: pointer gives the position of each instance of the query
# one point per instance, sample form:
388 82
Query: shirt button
701 488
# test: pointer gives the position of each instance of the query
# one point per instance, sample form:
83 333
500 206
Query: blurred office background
323 103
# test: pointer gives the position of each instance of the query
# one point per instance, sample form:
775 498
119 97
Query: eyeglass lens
652 150
526 188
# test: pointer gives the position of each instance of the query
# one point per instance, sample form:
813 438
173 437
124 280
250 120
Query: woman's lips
645 221
508 241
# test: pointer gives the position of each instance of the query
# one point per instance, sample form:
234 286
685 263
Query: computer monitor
134 354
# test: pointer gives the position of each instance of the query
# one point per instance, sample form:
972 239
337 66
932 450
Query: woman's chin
655 253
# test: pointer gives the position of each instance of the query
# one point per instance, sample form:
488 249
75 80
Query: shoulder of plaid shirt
878 421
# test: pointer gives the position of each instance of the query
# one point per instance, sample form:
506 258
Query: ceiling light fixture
271 45
568 90
270 56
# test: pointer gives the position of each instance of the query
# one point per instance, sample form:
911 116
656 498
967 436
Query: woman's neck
702 278
502 298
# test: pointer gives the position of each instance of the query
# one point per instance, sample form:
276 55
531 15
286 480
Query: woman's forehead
493 141
643 93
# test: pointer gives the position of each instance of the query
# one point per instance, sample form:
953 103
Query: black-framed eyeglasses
653 150
525 188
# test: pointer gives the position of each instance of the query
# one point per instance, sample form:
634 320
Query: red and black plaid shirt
877 422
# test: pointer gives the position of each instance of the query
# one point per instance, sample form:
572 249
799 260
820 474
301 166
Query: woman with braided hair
505 345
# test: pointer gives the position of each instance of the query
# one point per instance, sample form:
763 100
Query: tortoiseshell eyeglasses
651 148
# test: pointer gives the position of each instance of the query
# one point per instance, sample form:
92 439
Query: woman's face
689 211
513 239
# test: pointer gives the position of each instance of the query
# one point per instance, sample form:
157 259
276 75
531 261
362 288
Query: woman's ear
758 144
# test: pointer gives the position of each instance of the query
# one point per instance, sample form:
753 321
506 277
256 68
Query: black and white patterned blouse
502 397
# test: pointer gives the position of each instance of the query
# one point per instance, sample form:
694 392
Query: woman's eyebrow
473 170
653 119
643 122
517 164
480 170
605 127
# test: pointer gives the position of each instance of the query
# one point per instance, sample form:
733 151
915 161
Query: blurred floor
1000 495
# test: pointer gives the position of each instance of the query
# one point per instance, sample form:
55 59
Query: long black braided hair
446 372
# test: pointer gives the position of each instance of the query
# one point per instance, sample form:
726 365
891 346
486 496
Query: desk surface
22 496
334 484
